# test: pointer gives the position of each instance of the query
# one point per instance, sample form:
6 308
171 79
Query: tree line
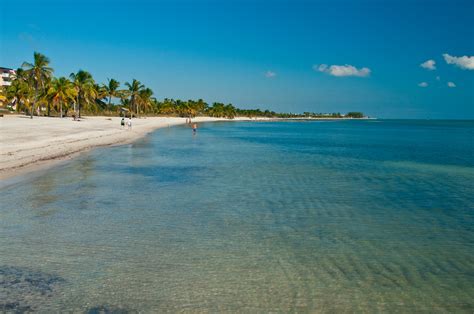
35 91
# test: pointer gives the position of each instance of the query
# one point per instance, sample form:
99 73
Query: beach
29 144
236 157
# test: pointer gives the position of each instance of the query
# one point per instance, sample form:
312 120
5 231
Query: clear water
362 216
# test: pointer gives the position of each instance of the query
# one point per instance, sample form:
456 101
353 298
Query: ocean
320 216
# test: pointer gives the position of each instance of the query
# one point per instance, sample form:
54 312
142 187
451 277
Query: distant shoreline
328 118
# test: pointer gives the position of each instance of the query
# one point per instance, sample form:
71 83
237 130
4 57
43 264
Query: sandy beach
30 144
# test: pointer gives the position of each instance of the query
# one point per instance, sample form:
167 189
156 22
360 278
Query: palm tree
112 89
85 87
133 92
182 107
38 72
201 106
61 91
43 97
168 106
230 111
100 94
125 103
19 92
217 110
145 99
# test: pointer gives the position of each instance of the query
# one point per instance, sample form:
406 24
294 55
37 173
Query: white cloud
429 65
451 84
464 62
320 68
270 74
342 70
423 84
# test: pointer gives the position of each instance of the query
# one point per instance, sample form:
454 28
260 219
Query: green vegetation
35 91
61 91
355 115
38 75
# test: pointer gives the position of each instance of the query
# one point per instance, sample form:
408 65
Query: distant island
33 90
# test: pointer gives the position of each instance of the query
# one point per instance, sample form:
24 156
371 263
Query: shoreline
30 145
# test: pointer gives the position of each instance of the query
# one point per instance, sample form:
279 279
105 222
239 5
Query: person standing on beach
122 123
129 124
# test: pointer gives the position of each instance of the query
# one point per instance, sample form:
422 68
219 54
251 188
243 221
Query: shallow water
252 217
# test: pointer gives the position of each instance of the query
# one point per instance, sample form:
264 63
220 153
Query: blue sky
292 56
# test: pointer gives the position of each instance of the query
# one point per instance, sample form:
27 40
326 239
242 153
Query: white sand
29 144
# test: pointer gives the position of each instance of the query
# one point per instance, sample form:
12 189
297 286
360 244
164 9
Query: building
6 76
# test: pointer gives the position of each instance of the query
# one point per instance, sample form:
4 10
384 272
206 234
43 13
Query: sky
388 59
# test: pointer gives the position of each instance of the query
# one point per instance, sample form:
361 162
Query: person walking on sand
122 123
129 124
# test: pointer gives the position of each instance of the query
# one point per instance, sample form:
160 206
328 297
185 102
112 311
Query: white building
6 76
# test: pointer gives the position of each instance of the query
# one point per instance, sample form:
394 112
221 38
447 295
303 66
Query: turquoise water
362 216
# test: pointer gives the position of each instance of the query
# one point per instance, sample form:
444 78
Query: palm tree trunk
61 108
79 107
34 101
75 106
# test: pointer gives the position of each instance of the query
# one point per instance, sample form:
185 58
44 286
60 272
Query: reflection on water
249 217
